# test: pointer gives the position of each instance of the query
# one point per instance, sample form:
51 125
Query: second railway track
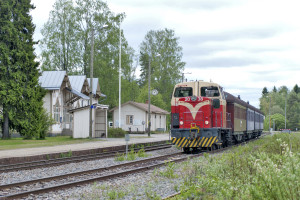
20 189
73 159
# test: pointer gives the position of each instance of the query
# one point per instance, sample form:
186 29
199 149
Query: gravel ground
25 175
146 185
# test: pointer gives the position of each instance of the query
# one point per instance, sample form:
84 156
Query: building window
66 115
56 112
129 119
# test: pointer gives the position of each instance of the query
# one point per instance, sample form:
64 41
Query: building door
100 123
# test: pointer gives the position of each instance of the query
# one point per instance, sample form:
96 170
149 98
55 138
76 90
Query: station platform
97 144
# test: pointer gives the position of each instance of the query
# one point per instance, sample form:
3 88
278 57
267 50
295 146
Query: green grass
264 169
17 143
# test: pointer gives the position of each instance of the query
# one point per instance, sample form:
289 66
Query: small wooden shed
81 121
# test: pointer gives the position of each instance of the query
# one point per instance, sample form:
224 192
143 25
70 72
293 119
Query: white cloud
240 44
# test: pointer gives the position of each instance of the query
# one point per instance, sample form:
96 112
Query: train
204 116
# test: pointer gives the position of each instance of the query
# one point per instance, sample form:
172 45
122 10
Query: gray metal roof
95 84
77 82
52 80
79 94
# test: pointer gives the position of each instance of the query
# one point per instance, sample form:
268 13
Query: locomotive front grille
197 142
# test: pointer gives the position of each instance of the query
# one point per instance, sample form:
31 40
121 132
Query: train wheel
186 149
194 150
214 147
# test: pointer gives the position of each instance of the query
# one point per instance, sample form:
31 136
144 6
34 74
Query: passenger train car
204 116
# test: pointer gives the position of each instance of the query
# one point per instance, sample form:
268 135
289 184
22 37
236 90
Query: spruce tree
296 89
20 94
265 91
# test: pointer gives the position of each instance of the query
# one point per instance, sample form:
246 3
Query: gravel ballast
145 185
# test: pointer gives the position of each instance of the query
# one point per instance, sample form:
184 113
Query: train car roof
230 98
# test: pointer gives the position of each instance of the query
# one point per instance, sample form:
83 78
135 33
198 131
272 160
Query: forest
66 44
277 104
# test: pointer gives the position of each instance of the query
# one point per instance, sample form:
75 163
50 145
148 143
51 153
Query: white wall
47 102
158 121
81 124
139 117
48 105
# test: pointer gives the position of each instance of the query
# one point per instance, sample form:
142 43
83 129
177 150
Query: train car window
183 92
222 93
210 91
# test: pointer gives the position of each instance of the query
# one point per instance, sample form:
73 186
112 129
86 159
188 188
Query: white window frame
129 119
56 112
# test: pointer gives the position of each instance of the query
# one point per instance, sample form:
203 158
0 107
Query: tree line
66 45
278 103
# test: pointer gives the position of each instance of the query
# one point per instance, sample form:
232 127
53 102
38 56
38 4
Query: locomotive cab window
210 91
183 92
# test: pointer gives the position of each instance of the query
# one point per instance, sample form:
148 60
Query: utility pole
285 112
120 75
149 99
91 87
269 114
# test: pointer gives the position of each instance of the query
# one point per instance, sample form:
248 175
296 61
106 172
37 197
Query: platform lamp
91 82
183 73
149 95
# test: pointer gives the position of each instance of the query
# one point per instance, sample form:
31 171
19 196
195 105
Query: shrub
264 169
116 133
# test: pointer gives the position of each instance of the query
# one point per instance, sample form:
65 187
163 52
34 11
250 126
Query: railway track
12 191
49 184
216 151
73 159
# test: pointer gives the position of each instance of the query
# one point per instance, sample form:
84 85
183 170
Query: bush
116 133
45 122
264 169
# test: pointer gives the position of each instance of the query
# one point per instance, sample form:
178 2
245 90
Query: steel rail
105 177
85 172
100 178
61 161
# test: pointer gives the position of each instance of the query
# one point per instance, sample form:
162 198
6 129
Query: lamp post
91 82
183 75
149 95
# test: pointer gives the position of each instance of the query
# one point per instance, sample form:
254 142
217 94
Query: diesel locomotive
204 116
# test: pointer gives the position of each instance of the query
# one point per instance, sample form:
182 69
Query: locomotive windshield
210 91
183 92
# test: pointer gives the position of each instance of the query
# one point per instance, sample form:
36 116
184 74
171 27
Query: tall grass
265 169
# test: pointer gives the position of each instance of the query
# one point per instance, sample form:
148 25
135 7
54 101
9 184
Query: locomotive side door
223 104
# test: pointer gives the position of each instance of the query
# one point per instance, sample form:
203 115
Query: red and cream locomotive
204 116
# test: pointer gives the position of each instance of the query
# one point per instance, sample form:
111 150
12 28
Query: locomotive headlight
206 122
193 98
181 122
